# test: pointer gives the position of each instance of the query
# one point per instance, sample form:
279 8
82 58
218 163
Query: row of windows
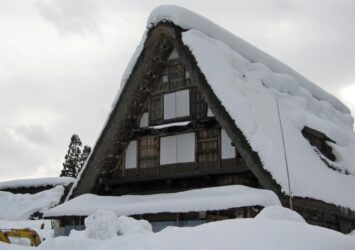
178 149
175 105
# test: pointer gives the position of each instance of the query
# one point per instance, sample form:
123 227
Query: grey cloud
17 158
74 16
34 133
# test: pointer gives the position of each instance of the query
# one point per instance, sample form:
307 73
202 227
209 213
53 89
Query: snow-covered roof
21 206
205 199
262 94
255 88
37 182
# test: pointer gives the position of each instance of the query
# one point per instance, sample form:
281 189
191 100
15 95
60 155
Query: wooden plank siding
176 75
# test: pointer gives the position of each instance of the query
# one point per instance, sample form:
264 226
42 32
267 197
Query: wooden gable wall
106 159
150 139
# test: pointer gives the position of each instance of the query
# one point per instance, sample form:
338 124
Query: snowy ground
277 228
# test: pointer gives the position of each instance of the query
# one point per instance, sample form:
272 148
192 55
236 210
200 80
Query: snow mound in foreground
101 225
128 225
279 213
241 234
22 206
104 225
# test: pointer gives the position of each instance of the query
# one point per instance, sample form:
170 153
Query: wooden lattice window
148 152
207 145
163 83
187 76
198 104
176 75
155 109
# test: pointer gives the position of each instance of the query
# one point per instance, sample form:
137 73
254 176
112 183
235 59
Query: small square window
187 74
144 121
165 78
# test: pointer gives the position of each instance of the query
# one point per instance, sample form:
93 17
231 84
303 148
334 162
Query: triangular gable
116 126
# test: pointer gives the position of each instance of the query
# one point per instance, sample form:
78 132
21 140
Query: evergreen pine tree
72 158
83 157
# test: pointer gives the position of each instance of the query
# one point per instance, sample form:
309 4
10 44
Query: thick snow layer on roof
254 88
194 200
21 206
190 20
38 182
241 234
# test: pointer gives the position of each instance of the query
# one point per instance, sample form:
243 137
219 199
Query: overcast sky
61 62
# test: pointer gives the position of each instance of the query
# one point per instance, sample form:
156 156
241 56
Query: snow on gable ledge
194 200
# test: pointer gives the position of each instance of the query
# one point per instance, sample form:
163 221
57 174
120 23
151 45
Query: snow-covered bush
101 225
128 225
105 224
279 213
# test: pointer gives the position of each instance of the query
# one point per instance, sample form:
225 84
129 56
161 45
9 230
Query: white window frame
173 55
176 104
131 160
174 149
144 121
227 150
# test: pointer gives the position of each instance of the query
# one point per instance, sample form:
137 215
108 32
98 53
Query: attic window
144 121
318 140
187 74
176 104
173 55
165 78
209 113
131 155
227 148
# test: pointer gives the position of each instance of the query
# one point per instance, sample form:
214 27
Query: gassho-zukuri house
207 127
